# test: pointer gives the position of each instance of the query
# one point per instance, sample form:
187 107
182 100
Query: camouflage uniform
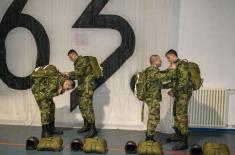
44 90
84 74
182 91
154 96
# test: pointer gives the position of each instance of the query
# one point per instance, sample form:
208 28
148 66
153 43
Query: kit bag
95 66
149 148
41 73
50 144
211 148
140 85
95 145
195 74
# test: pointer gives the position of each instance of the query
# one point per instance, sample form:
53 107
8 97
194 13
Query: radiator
207 108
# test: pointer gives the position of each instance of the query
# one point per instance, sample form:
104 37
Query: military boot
54 130
46 131
175 137
150 137
182 144
85 127
92 131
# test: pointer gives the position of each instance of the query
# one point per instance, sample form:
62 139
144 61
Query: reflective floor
12 140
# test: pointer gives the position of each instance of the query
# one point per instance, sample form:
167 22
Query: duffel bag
50 144
95 145
211 148
149 148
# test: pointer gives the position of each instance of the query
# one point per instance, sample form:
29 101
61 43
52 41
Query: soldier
44 89
154 79
182 92
84 74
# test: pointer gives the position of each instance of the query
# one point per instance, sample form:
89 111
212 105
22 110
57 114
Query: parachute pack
195 75
50 144
140 85
212 148
43 72
95 145
149 147
95 66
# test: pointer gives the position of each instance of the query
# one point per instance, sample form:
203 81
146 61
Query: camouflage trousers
180 109
86 106
47 110
153 116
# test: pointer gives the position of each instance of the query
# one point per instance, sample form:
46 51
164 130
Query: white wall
206 36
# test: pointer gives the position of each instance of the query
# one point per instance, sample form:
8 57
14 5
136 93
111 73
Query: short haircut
152 58
72 51
171 51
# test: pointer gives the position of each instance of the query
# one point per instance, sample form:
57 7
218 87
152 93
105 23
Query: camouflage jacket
155 77
83 73
47 88
181 81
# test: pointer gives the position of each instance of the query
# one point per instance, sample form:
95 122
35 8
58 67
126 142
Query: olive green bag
95 145
50 144
95 66
211 148
195 74
140 85
149 147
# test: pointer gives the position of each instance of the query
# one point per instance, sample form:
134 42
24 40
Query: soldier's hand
170 93
61 90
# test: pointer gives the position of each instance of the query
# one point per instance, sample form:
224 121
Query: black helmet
31 143
76 145
196 150
131 147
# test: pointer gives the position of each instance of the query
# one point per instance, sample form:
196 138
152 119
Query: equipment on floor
50 144
149 147
31 143
76 145
196 150
212 148
95 145
131 147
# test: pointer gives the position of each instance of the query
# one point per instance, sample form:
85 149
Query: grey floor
12 140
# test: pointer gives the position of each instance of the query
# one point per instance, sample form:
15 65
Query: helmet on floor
196 150
131 147
31 143
76 145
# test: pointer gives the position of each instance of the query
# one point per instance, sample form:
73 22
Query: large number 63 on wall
90 18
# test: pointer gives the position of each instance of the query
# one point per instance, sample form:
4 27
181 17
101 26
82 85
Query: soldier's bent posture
84 74
44 89
154 79
182 92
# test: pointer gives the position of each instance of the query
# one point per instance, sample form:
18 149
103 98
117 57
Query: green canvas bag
195 74
140 85
95 66
149 148
43 72
50 144
95 145
211 148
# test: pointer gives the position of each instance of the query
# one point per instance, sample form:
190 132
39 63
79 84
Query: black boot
85 127
182 144
46 131
175 137
150 137
92 131
54 130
